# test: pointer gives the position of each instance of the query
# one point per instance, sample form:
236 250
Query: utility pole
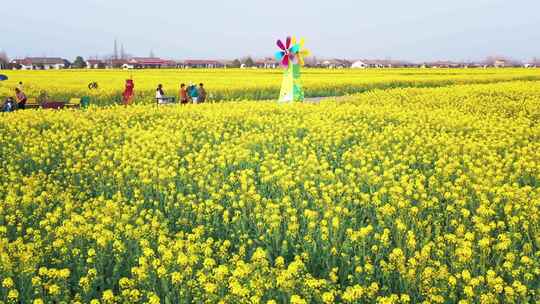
115 55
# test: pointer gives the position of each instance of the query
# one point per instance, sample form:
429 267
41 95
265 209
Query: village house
335 64
532 64
500 63
386 63
95 64
444 64
200 64
266 63
115 63
148 63
40 63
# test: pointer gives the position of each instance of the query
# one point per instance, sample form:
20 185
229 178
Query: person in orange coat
183 94
128 92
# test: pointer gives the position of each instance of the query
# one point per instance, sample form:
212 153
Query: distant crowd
187 94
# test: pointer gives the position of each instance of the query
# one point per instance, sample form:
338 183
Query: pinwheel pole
291 58
291 86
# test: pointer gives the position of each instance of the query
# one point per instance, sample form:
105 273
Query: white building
359 65
40 63
335 64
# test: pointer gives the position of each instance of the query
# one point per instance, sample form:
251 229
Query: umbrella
3 77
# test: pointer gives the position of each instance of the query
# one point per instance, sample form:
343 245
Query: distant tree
67 64
236 63
248 62
4 60
79 63
14 66
491 60
310 61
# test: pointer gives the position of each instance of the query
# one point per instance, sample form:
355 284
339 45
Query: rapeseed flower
399 196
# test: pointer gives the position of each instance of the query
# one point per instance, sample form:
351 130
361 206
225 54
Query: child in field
183 94
202 93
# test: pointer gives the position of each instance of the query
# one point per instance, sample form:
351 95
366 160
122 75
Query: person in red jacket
183 94
128 92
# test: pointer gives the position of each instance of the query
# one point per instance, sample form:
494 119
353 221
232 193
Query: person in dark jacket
9 105
202 93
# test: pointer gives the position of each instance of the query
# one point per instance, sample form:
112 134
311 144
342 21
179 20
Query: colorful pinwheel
291 57
302 52
286 54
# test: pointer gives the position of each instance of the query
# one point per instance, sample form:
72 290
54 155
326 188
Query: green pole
291 86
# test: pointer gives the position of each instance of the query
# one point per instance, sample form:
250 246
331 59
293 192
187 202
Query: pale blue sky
415 30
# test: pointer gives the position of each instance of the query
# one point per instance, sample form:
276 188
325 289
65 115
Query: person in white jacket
160 95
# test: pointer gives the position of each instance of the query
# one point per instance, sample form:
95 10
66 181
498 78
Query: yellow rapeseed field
239 84
418 195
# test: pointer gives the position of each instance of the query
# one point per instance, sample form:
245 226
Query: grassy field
402 195
236 84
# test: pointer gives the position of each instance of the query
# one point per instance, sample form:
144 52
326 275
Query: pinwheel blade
295 49
301 43
305 53
280 45
288 44
285 61
279 55
301 60
293 40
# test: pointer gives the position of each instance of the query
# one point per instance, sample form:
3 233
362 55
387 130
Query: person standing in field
160 95
183 94
202 93
21 99
127 96
193 93
20 86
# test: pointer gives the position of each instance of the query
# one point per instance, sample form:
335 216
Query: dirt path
319 99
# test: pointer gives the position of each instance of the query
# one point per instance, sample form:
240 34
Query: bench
165 100
31 103
56 105
73 103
